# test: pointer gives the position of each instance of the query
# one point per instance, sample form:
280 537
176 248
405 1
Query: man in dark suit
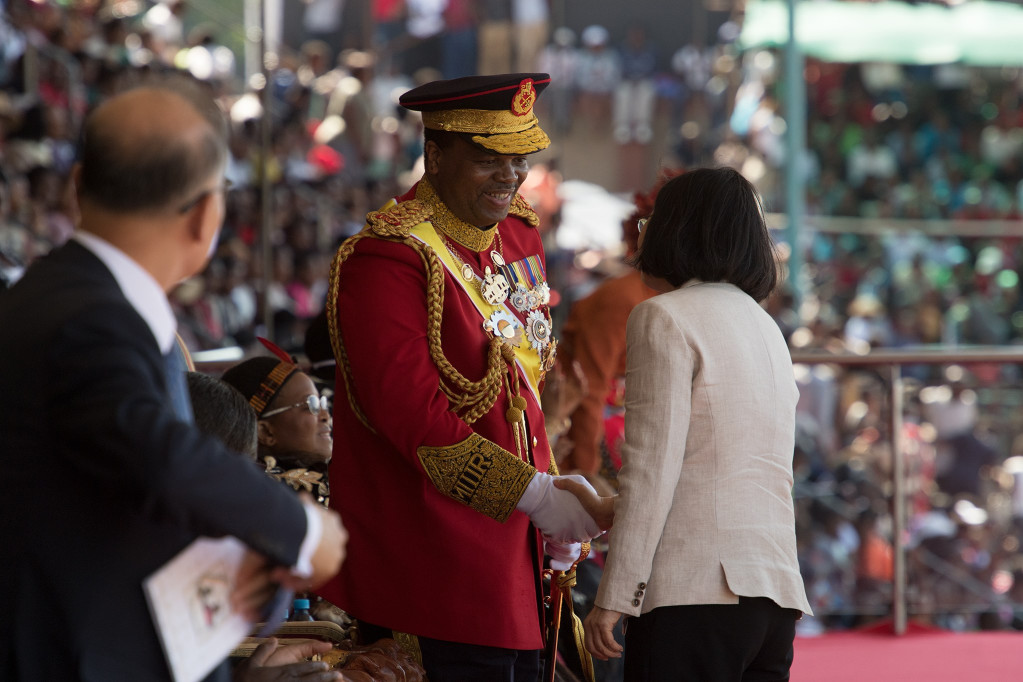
102 479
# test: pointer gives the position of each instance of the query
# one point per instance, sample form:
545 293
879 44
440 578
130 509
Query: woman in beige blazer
703 550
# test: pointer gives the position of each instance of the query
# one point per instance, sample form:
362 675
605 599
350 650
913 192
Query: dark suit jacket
99 483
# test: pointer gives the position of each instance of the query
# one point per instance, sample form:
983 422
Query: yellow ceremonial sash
527 359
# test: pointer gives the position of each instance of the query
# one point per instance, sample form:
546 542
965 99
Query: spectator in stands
870 159
389 25
560 59
425 24
164 22
460 40
495 35
531 27
634 96
309 286
598 73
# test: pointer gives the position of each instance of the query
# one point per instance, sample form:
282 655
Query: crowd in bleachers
896 145
885 143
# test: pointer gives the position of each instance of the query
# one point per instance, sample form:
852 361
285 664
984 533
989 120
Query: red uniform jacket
418 561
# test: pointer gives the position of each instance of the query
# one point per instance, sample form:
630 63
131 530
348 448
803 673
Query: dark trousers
457 662
746 642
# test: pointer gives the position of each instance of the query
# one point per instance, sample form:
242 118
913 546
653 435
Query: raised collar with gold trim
461 232
469 236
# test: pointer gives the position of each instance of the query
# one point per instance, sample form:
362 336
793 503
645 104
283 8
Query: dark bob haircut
708 224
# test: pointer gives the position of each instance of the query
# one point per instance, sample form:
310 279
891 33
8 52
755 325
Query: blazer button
642 586
535 441
635 602
639 593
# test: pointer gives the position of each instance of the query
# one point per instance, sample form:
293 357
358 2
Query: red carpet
920 655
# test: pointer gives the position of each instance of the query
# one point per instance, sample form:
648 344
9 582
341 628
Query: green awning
977 33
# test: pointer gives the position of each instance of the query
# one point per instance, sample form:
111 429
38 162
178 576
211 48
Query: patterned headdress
261 379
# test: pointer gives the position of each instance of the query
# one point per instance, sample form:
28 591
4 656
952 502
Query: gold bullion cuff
478 473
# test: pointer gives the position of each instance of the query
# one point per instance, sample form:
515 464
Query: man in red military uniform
442 470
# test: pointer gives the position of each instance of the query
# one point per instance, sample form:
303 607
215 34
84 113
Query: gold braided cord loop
336 343
476 398
469 399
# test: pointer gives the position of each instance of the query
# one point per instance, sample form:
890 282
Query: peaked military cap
496 110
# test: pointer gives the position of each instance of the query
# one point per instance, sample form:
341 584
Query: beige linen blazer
704 512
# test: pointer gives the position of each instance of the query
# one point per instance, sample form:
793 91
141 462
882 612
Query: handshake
567 511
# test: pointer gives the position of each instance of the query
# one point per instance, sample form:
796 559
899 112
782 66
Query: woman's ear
265 434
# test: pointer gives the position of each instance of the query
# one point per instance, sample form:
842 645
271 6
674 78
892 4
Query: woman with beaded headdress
293 421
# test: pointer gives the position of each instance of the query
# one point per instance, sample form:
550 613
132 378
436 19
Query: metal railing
893 360
887 364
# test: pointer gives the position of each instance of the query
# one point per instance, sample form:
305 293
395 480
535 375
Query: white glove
557 514
562 554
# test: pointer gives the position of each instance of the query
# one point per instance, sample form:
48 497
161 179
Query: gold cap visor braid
499 131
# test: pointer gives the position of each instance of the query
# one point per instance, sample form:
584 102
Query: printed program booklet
189 599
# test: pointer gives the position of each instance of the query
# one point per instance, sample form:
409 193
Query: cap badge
522 102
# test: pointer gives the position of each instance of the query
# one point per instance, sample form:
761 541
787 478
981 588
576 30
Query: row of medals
496 289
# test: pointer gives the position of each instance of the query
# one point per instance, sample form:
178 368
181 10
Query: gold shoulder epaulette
398 220
521 208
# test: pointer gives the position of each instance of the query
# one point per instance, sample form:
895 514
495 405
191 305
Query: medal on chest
538 330
495 287
503 325
529 290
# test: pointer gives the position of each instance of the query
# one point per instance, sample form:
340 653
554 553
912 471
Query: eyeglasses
641 224
314 403
225 186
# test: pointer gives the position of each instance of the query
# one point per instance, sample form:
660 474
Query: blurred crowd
888 144
961 443
894 146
